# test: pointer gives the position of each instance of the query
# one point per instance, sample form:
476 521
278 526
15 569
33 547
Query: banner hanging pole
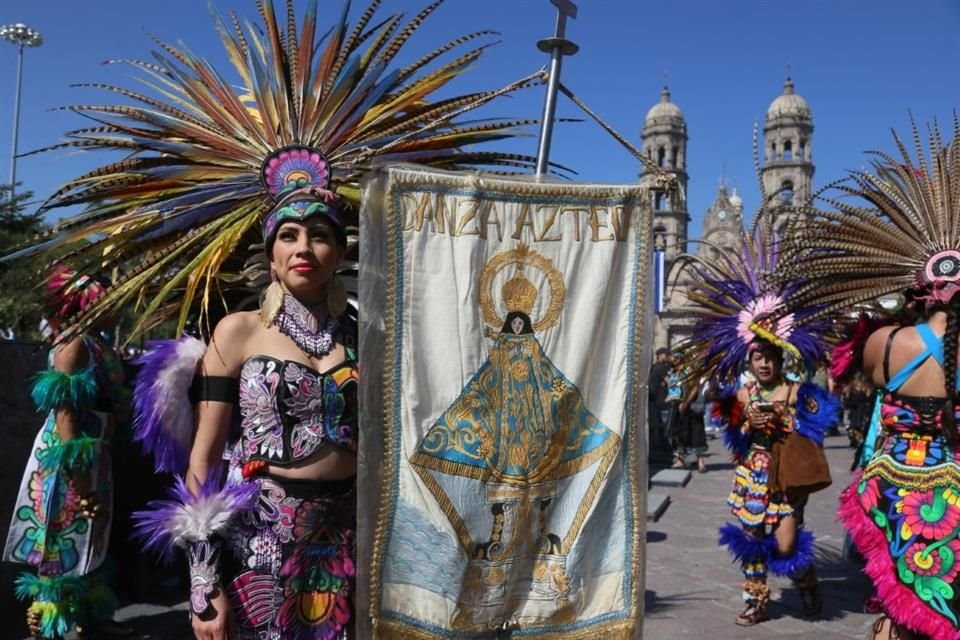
557 46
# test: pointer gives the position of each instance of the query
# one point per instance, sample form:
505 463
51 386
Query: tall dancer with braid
903 511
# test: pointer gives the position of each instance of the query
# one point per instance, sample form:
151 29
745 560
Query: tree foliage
21 294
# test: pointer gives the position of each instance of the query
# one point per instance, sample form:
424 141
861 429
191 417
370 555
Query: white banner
504 365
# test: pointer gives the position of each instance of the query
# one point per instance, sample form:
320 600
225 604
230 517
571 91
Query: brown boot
809 589
757 598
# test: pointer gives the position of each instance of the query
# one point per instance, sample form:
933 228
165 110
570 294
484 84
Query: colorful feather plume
892 230
735 300
174 217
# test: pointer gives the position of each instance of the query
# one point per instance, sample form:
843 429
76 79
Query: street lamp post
22 36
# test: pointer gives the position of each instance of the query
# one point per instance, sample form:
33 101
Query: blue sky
862 65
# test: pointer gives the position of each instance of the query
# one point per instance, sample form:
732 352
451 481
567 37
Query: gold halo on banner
521 258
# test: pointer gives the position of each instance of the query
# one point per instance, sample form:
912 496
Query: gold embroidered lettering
525 219
576 211
467 218
409 211
487 213
552 216
596 224
620 221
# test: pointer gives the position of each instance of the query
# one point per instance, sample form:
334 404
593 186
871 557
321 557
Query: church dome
789 104
735 200
664 109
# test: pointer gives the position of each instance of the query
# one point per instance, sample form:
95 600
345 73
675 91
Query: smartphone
765 407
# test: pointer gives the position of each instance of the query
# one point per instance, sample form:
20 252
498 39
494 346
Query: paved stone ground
693 589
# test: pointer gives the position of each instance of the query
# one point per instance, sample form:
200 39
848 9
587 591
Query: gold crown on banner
519 294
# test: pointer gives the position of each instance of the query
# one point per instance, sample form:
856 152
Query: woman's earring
336 297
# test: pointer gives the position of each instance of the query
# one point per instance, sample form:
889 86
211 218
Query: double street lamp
22 36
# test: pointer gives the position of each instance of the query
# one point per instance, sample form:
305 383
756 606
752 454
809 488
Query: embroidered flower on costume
869 491
928 514
940 563
921 562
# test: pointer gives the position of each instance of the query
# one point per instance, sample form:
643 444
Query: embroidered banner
503 349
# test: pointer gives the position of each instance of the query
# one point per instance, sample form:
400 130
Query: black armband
214 389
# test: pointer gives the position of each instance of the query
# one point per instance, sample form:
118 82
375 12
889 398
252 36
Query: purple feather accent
186 517
797 563
164 418
744 547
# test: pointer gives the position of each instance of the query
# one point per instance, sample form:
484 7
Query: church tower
788 149
722 223
665 144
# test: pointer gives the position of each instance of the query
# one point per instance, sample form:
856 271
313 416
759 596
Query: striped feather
179 209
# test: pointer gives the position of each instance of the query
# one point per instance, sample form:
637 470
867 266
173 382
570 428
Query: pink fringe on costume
901 603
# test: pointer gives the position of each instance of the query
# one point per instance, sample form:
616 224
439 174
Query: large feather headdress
735 303
169 220
892 230
738 300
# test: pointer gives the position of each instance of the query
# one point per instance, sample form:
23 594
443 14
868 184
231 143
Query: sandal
755 613
678 464
757 596
702 464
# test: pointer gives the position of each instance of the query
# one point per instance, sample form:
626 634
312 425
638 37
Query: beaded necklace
310 329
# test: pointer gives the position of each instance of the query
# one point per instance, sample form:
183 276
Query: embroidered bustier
289 410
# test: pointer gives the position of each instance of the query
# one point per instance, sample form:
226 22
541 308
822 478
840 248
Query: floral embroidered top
289 410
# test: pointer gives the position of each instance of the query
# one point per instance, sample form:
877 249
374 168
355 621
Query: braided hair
950 339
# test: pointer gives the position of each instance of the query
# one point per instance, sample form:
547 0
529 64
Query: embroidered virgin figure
516 461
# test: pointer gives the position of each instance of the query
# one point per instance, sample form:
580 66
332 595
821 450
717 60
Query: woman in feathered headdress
900 236
61 522
211 170
773 426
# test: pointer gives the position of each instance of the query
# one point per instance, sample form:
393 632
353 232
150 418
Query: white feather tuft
202 517
171 386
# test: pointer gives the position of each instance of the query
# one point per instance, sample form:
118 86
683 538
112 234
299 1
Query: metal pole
549 110
16 125
557 46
